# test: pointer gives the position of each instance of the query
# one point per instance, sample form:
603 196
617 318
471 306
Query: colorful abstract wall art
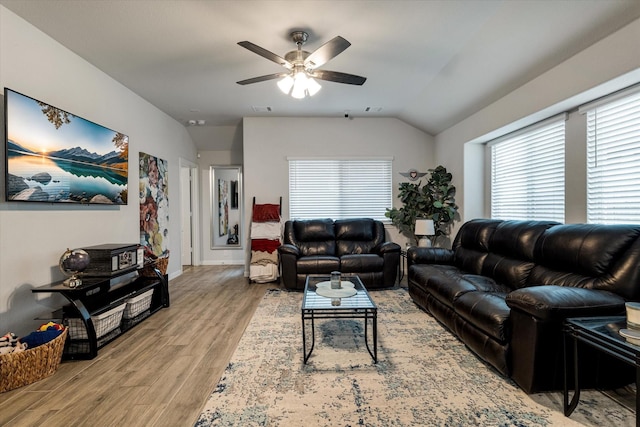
154 204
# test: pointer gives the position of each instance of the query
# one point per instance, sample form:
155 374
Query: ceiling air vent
261 109
373 109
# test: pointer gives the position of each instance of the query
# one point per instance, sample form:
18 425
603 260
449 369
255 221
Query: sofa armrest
552 303
416 255
289 249
387 247
289 255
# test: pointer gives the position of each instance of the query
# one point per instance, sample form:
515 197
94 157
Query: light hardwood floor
158 374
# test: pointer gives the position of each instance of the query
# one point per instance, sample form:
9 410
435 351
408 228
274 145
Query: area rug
424 377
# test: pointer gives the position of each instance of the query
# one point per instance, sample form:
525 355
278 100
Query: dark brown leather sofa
505 288
320 246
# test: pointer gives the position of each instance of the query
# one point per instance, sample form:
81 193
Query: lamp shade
424 227
299 85
286 84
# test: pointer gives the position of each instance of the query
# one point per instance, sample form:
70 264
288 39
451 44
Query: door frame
194 208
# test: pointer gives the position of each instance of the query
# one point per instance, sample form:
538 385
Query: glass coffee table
603 334
357 306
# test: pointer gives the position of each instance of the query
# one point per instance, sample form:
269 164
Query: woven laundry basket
26 367
161 263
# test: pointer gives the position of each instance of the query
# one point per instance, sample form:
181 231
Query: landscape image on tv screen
55 156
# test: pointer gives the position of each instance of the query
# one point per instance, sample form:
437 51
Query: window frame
343 206
613 158
540 198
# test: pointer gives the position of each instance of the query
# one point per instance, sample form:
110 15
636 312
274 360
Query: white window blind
527 173
339 189
613 161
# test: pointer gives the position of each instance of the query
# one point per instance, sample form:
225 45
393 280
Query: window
339 189
527 173
613 160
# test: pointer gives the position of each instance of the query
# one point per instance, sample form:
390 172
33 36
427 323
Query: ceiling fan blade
335 76
327 51
262 78
266 54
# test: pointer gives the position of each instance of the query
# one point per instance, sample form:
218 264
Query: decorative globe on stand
72 263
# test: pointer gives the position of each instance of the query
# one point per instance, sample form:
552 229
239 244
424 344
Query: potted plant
434 200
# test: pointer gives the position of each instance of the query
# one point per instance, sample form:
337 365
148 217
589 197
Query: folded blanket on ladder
263 273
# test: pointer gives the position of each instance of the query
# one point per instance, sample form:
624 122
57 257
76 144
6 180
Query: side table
602 334
403 262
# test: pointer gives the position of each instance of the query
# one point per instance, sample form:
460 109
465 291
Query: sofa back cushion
358 236
595 256
312 237
512 244
471 244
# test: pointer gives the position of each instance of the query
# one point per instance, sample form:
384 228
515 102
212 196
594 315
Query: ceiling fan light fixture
299 86
313 86
299 81
286 84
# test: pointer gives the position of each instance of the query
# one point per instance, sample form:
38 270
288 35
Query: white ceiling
428 63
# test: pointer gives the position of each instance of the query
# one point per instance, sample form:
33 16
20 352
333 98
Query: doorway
188 213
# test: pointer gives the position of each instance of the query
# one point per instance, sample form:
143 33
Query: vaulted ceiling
428 63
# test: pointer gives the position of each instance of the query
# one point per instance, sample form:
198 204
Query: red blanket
264 245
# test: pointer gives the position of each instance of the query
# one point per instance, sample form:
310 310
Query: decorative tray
632 336
347 290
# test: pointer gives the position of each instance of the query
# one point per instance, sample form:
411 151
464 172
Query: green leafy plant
434 200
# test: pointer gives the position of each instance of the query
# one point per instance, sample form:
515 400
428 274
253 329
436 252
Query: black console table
99 294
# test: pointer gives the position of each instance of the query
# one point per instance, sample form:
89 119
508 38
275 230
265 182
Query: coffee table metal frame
600 333
359 306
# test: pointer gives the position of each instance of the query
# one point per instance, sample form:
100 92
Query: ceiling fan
303 66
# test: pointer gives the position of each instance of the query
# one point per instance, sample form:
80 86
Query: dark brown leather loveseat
505 288
320 246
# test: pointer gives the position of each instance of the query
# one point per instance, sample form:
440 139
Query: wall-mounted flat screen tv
53 156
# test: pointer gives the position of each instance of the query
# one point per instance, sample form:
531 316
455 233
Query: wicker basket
160 263
137 304
26 367
103 323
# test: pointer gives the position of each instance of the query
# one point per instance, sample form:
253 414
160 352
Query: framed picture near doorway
223 207
226 206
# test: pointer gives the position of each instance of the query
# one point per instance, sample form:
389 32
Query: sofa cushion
444 283
517 239
320 264
486 311
358 236
476 234
587 249
354 229
486 284
509 272
314 230
361 263
592 256
511 250
314 237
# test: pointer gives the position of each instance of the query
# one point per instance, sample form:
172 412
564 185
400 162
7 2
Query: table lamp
424 227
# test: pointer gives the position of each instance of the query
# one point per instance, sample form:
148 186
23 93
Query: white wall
32 237
608 65
269 141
